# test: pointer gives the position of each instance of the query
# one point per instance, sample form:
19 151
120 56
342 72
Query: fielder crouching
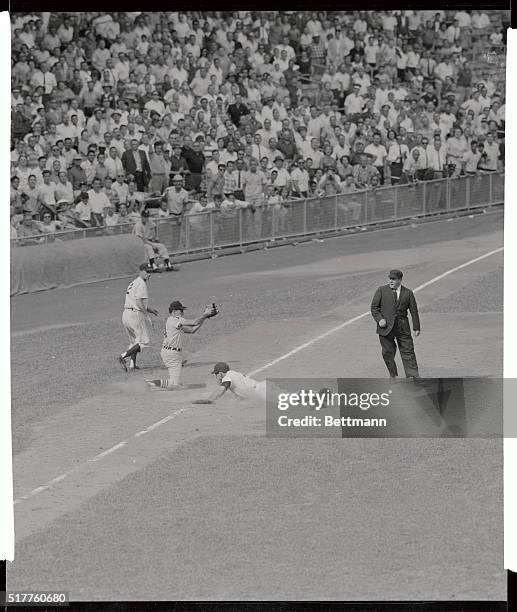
176 327
145 229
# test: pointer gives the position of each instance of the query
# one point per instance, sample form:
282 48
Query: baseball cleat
184 362
122 362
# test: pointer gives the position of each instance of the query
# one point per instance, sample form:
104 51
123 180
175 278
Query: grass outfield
253 518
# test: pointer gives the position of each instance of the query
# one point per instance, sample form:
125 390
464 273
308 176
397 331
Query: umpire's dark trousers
400 335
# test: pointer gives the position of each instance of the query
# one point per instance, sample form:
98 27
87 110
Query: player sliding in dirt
239 384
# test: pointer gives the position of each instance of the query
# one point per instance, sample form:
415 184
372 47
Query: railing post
305 216
490 187
467 192
365 200
424 197
396 203
448 187
187 234
335 211
211 232
240 227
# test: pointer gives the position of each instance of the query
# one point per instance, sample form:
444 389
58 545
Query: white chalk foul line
98 457
329 332
261 369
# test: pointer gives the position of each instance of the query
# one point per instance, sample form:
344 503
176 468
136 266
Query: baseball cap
176 305
143 266
220 367
395 274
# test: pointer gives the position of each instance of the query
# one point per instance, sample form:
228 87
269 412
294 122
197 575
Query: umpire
389 309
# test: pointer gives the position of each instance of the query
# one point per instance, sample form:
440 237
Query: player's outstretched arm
209 312
215 395
190 329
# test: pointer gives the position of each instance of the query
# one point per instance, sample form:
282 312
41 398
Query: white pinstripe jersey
173 335
136 289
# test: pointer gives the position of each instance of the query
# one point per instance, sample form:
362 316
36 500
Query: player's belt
135 309
171 348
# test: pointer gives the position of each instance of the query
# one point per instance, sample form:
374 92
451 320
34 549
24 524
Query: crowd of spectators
114 113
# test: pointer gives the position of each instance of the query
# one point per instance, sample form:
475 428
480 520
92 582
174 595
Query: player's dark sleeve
376 306
226 384
413 309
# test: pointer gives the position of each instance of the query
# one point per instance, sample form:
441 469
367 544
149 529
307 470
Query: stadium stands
237 115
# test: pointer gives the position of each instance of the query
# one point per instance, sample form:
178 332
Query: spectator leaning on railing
108 109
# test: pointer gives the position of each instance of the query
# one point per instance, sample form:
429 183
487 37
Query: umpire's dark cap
176 305
143 266
221 367
396 274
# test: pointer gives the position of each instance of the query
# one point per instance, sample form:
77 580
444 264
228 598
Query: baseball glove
213 311
202 401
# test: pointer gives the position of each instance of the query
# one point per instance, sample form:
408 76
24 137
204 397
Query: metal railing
216 230
263 223
73 234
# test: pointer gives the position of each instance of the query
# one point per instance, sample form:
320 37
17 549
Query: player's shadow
201 364
189 364
157 366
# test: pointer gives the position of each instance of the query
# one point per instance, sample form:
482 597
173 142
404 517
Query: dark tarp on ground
74 262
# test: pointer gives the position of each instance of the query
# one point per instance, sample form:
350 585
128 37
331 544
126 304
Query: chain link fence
260 222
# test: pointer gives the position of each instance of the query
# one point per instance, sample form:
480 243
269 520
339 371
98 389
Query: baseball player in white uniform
135 318
176 327
241 385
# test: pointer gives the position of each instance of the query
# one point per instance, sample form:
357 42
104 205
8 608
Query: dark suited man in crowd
135 162
389 308
237 110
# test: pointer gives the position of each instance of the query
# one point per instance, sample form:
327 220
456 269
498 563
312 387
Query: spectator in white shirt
98 201
155 104
300 179
47 191
436 158
113 163
471 158
121 188
379 154
491 148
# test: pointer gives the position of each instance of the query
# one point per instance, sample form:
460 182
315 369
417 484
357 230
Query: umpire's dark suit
385 306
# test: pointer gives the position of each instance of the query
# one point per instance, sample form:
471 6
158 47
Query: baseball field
126 494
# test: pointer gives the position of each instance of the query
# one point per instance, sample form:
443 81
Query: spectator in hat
77 174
